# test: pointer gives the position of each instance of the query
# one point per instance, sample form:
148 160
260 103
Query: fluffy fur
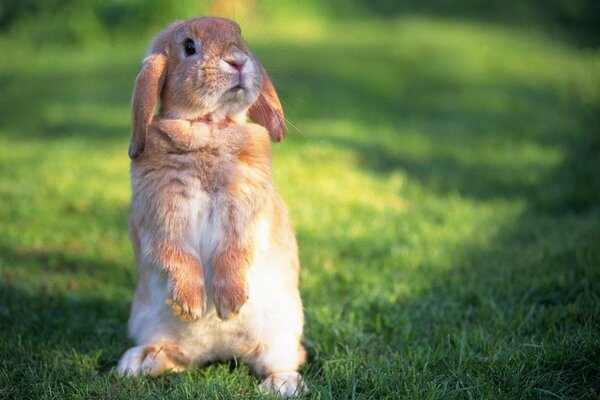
217 258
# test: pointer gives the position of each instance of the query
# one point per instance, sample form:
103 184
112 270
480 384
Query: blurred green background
442 170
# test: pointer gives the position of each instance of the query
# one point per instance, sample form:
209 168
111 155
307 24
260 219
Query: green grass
444 183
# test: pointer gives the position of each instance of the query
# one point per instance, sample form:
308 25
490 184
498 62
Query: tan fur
217 258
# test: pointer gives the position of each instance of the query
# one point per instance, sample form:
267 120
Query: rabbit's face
201 68
211 72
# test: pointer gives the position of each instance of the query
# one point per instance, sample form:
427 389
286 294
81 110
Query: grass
443 182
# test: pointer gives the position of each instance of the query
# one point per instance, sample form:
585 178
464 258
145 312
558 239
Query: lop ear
148 86
267 111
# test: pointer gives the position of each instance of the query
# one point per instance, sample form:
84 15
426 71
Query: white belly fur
272 316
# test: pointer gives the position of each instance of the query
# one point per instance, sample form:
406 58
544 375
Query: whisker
287 77
295 127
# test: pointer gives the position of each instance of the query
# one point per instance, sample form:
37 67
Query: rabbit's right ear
148 86
267 110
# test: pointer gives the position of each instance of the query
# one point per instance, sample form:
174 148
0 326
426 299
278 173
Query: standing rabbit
217 258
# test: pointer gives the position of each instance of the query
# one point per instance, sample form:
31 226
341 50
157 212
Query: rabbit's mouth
238 92
235 99
239 82
237 89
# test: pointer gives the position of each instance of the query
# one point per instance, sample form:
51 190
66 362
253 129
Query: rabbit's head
202 68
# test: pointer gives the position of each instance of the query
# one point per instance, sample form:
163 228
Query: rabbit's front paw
229 295
188 299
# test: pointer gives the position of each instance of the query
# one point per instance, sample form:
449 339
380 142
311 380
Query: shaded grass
444 189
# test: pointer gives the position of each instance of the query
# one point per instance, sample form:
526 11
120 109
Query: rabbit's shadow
49 322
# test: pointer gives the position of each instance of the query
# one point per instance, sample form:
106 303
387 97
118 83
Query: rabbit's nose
237 64
236 61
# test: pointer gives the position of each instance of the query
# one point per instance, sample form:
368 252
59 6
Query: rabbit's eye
189 47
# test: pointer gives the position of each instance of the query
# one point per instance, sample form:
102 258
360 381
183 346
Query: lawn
443 177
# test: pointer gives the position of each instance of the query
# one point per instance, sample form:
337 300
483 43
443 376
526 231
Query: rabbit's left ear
147 90
267 111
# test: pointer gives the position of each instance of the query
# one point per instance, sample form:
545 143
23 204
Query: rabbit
218 268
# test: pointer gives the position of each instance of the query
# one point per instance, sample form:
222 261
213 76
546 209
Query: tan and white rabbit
217 258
